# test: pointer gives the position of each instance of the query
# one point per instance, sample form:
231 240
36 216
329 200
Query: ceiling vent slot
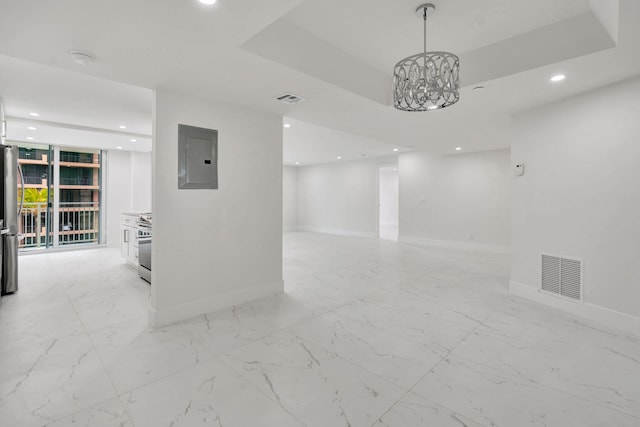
289 98
562 276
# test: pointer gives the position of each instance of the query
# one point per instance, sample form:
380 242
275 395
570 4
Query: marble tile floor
368 333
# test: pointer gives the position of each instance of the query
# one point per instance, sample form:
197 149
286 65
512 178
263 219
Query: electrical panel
197 157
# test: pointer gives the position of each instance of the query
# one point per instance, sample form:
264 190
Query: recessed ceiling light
119 147
339 157
122 127
558 78
208 2
34 114
287 125
458 148
297 163
30 138
31 127
395 170
133 140
396 149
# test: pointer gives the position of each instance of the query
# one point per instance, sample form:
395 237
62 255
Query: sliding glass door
62 193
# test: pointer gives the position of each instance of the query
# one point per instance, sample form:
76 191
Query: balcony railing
77 157
76 181
79 223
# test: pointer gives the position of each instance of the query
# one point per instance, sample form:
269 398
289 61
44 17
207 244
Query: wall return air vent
562 276
289 98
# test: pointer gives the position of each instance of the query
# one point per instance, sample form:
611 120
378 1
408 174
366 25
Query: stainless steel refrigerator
9 209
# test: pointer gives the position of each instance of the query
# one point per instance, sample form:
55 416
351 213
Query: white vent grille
562 276
289 98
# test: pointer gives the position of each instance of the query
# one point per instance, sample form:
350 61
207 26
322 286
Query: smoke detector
82 58
289 98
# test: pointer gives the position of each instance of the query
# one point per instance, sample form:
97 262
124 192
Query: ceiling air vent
562 276
289 98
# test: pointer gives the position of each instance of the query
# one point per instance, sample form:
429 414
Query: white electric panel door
197 157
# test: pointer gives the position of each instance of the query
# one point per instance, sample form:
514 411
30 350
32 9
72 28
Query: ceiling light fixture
133 140
287 125
82 58
458 148
208 2
427 80
31 128
396 150
558 78
339 157
30 138
122 127
34 114
119 147
297 163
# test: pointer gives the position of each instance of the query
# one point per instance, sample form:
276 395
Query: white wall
141 181
289 198
580 195
128 188
215 248
118 192
460 198
340 198
389 202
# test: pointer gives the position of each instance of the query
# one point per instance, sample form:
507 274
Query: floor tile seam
455 310
361 322
41 342
401 335
352 363
472 322
250 383
545 385
449 352
108 375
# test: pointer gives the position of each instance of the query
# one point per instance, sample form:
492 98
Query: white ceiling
226 52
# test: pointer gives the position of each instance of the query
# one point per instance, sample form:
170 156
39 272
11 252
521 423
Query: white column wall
215 248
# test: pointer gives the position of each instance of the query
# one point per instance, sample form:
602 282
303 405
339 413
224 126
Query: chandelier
427 80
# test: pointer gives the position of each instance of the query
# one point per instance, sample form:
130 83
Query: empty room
320 213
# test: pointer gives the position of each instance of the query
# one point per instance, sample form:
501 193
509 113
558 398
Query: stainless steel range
144 246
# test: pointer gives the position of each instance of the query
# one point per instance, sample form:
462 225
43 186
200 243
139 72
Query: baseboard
166 315
336 232
614 319
454 244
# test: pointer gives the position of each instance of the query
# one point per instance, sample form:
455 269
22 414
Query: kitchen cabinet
129 238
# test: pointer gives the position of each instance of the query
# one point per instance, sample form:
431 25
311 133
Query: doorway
388 201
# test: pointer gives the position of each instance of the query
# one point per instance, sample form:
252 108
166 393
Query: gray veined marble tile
26 319
102 306
107 414
492 397
45 382
398 359
316 386
586 363
209 394
410 321
416 411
